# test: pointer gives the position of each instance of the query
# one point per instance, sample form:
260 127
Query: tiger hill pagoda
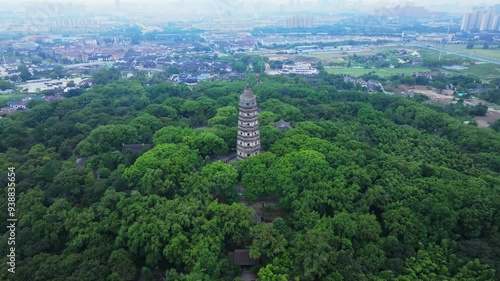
248 143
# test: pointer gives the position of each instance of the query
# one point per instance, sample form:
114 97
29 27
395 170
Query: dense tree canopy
364 187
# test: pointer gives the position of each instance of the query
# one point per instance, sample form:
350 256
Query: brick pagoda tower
248 126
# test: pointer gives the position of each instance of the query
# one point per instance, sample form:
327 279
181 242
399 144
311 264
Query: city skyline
484 19
250 2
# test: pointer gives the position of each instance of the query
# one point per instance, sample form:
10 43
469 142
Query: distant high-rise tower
466 22
495 26
248 141
299 21
487 22
480 19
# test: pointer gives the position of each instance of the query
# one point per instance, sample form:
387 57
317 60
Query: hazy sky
459 6
425 2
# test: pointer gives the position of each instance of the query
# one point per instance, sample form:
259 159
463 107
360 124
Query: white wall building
300 69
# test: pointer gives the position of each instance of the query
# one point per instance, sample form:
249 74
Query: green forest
370 186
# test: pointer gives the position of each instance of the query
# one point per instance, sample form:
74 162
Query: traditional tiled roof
282 125
241 257
136 148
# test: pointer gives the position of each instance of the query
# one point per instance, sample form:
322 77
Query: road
459 54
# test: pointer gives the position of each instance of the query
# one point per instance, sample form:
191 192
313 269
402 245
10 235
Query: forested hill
370 186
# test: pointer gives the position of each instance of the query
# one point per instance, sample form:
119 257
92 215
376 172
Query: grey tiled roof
282 125
136 148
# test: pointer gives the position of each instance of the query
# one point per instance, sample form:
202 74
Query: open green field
493 52
328 57
426 54
482 70
486 71
382 72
